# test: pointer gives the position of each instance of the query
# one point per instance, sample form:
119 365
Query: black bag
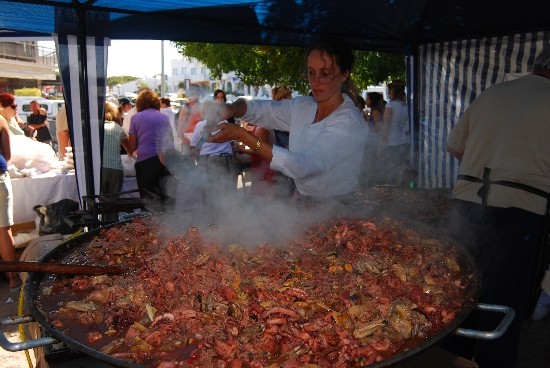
52 217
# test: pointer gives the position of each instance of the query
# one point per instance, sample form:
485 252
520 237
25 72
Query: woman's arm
126 144
5 139
132 144
230 132
260 133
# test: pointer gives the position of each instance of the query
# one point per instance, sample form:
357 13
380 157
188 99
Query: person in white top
166 109
395 133
215 158
128 118
327 131
62 131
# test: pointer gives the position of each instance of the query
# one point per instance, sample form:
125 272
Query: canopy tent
454 48
380 25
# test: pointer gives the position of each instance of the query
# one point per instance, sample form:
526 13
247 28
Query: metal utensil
60 268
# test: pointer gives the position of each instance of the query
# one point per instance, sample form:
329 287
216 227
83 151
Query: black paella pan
34 283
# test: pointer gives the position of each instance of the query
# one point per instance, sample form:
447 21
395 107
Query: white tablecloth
46 189
41 189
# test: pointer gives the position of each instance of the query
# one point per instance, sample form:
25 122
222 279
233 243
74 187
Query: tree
33 92
142 84
375 68
258 65
121 79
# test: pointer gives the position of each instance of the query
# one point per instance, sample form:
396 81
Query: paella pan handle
509 315
25 345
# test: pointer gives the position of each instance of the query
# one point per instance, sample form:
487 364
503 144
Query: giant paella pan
344 292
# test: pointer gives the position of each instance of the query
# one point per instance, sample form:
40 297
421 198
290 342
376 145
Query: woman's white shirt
323 158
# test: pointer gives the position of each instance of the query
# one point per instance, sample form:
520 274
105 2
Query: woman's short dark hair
377 100
375 97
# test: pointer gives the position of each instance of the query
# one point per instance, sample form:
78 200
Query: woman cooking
327 131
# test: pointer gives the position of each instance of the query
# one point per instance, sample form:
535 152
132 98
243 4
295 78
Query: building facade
24 64
186 72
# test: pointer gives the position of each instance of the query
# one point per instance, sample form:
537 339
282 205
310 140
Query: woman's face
10 111
324 76
219 98
368 102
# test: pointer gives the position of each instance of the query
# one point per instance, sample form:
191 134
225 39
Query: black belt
483 192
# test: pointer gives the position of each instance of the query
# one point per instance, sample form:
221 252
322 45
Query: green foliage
375 68
159 86
142 84
284 66
33 92
252 64
121 79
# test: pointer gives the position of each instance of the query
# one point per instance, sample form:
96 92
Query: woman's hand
226 132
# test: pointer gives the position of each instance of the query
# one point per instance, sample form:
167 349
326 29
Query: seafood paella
344 293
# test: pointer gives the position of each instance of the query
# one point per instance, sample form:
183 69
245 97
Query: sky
136 58
139 58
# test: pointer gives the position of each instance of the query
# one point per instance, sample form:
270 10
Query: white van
24 108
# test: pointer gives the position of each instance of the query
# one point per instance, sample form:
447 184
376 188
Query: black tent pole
85 102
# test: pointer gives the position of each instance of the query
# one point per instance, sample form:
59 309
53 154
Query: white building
186 72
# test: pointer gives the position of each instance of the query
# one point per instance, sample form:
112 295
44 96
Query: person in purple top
150 136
